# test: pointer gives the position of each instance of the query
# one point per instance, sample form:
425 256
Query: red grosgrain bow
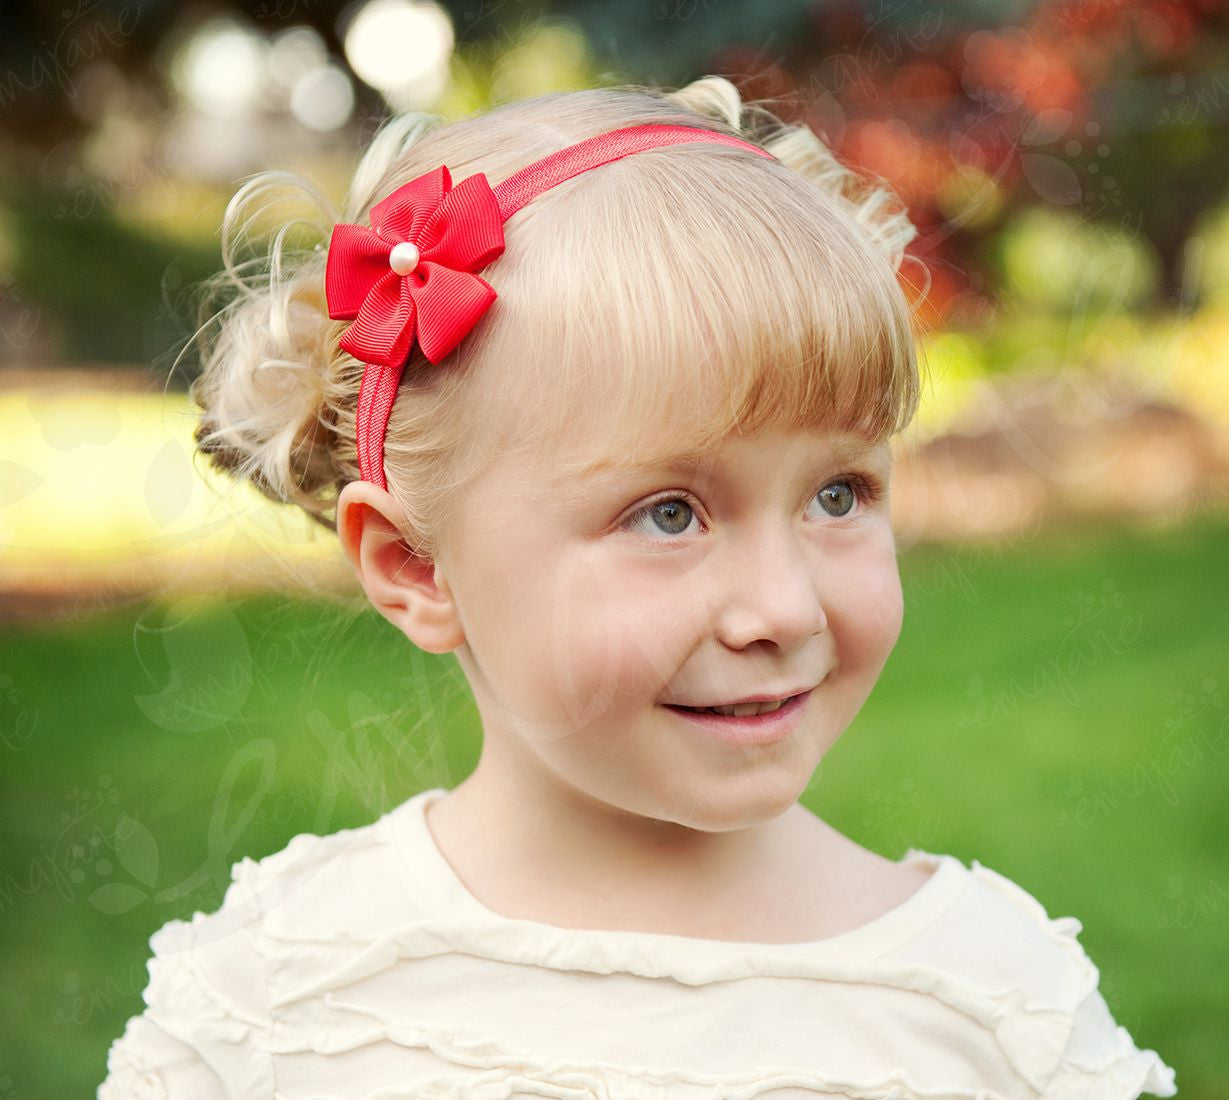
411 275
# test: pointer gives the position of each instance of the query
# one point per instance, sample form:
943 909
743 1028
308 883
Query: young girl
597 390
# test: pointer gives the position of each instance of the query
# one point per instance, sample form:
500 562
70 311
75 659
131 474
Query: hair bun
268 379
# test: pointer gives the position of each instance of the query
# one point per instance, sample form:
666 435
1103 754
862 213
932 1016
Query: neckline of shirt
431 873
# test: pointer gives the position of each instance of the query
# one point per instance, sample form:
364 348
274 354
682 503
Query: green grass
1054 709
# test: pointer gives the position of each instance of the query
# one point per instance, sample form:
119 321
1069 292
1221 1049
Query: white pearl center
403 258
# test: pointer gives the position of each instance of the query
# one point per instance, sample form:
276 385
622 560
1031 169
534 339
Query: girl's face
589 603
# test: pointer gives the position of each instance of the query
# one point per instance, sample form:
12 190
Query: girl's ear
406 588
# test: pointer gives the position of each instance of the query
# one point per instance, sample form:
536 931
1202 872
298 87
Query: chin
741 804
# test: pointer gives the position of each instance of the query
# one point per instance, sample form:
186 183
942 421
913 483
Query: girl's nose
771 592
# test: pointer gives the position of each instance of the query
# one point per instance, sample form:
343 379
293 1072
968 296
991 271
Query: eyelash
868 488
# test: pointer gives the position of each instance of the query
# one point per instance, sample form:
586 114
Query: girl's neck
611 872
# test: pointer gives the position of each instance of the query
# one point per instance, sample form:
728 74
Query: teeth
743 709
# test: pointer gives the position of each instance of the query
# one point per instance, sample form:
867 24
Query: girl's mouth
776 721
740 710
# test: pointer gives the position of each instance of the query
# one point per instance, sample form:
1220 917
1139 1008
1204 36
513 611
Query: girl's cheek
880 613
865 600
580 664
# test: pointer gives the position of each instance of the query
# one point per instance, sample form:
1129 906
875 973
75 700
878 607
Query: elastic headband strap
411 275
542 175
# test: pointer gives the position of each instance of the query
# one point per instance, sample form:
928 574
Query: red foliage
916 104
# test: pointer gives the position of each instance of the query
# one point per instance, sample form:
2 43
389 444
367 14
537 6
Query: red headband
410 275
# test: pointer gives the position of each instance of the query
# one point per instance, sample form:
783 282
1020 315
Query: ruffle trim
1032 1037
1035 1038
129 1076
1127 1075
1122 1073
487 1071
183 1004
144 1064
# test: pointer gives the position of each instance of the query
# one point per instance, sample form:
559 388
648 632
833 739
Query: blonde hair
652 304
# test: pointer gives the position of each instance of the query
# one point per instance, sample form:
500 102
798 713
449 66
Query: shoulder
1052 1017
348 882
213 978
316 886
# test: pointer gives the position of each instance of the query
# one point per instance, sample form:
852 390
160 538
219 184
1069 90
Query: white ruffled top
358 965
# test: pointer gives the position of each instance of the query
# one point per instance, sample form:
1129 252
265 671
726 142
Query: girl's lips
749 729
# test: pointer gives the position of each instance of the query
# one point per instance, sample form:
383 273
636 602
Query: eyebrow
846 450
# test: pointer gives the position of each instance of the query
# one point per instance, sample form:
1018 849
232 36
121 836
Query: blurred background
187 678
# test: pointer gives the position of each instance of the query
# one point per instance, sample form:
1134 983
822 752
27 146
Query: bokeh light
1062 261
220 68
401 48
322 98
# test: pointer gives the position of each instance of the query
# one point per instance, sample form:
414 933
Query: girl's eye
672 515
841 495
844 492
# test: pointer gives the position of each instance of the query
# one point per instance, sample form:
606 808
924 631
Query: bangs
655 307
